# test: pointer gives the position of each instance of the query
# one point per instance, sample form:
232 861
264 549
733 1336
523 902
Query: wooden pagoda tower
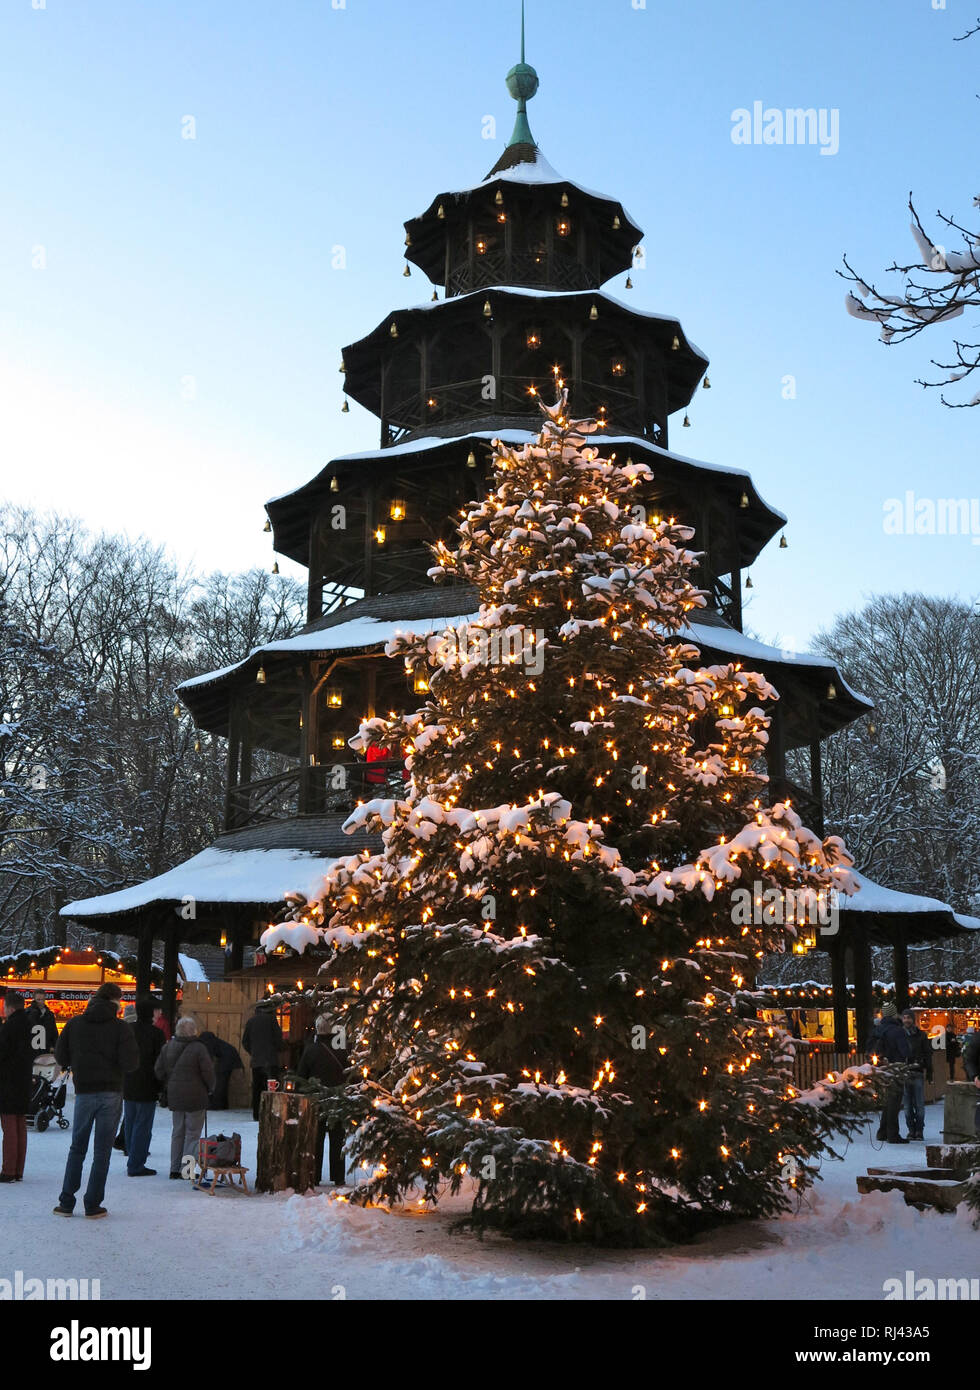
519 265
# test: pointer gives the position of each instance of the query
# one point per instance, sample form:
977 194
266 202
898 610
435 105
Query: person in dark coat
321 1062
141 1091
186 1068
226 1060
891 1045
971 1055
16 1084
953 1050
99 1050
44 1027
263 1041
920 1070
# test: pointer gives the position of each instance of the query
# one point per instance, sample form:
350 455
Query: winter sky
171 321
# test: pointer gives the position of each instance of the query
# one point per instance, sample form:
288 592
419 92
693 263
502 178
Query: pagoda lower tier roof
254 868
370 623
251 868
874 905
290 512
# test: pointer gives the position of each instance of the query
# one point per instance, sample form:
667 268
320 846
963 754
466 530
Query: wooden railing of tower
523 268
624 412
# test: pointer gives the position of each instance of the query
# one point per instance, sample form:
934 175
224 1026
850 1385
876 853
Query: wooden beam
816 785
144 955
169 1002
838 980
901 956
863 999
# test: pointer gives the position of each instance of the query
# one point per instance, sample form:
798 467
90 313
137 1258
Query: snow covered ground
164 1240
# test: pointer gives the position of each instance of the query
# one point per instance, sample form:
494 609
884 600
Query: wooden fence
813 1065
223 1008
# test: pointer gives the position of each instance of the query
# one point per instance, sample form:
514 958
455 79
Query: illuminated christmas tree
545 975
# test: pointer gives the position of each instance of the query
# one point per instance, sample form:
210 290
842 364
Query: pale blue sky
174 363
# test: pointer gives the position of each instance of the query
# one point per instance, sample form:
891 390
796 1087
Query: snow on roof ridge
738 644
216 875
363 631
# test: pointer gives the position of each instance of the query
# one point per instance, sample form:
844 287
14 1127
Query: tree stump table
287 1143
959 1112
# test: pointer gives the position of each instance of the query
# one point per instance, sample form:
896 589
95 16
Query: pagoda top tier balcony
524 226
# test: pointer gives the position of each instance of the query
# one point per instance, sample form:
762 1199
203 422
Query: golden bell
744 501
499 200
706 384
564 200
831 691
334 485
440 211
616 223
393 330
687 422
345 409
343 366
275 567
197 745
435 296
177 711
471 459
783 543
748 582
268 526
593 313
406 272
260 676
488 310
629 283
675 344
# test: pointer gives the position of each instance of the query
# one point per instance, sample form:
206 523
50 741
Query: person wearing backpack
186 1069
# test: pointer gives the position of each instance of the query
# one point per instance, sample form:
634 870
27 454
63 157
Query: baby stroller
49 1094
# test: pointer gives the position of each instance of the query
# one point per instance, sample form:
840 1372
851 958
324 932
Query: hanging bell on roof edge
629 283
488 310
260 676
345 408
748 582
499 200
743 501
687 422
435 296
407 274
706 384
334 485
268 526
564 200
471 459
616 223
275 567
783 543
675 345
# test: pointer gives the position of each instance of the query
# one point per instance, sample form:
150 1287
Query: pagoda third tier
482 359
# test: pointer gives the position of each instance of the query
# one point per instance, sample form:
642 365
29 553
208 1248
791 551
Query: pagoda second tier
366 523
481 360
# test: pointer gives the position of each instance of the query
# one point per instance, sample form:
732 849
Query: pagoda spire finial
522 83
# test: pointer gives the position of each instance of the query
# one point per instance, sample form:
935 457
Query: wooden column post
776 749
368 540
838 980
307 743
231 765
816 785
144 956
236 957
169 1001
863 999
314 588
901 955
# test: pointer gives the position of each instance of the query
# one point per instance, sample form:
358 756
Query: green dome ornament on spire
522 83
